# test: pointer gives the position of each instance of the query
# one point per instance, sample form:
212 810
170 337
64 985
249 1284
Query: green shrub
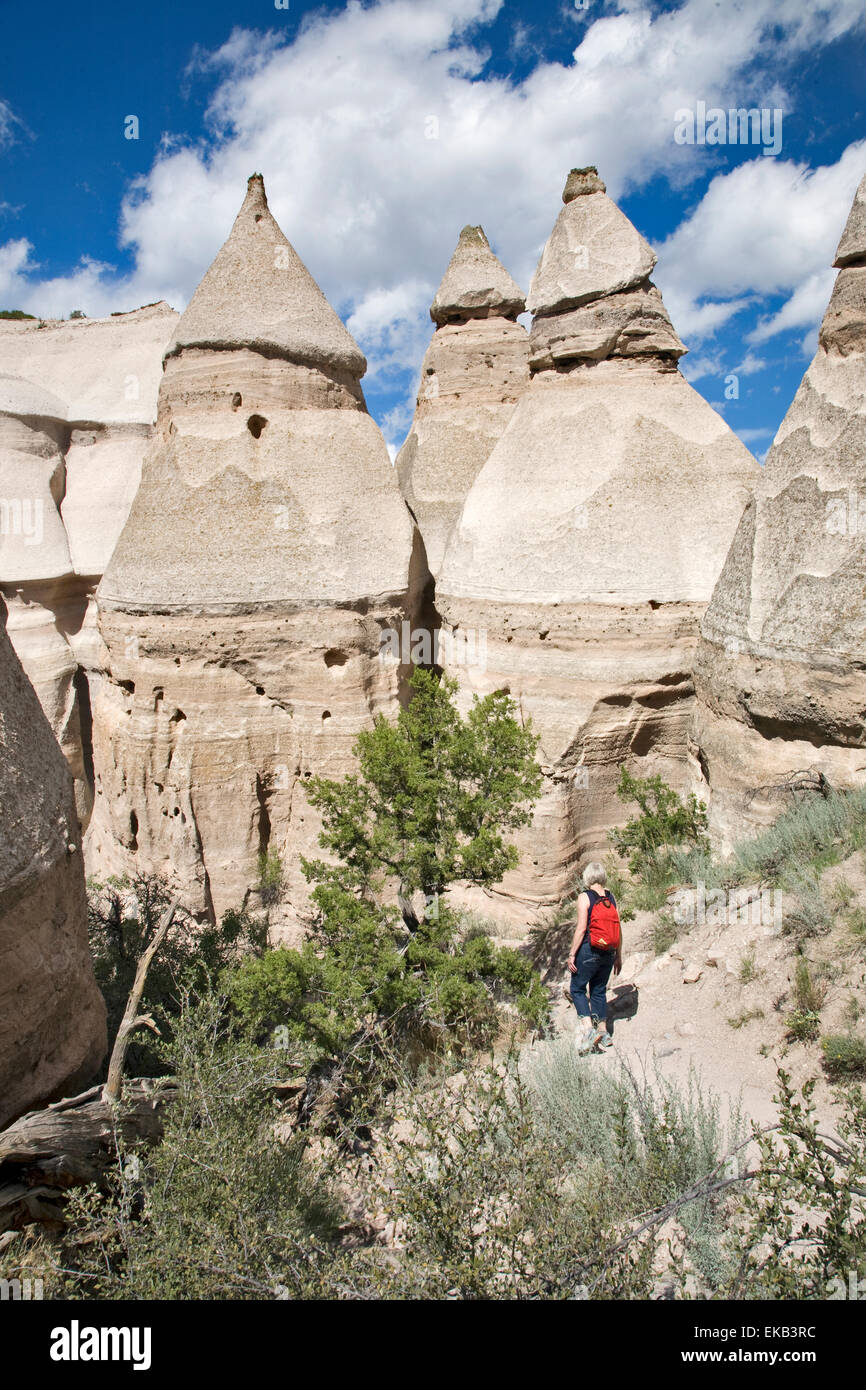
220 1208
270 885
811 915
809 993
844 1055
803 1025
812 834
800 1229
15 314
665 824
123 914
523 1181
664 933
358 992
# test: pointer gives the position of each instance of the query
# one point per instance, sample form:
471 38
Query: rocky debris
692 974
52 1017
473 372
243 608
77 406
779 670
589 621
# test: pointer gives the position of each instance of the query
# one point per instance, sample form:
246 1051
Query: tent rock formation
780 669
77 406
473 372
590 541
243 608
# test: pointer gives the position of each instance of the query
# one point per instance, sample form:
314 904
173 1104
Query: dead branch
131 1017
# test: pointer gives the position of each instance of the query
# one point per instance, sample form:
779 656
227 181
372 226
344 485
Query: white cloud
10 124
769 227
380 134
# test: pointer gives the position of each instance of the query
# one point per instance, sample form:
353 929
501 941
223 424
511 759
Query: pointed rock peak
852 247
258 294
581 182
592 251
476 284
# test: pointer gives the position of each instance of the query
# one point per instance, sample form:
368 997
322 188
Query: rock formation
590 541
52 1018
473 372
267 548
77 406
780 668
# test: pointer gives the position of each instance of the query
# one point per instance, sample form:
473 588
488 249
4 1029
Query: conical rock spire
779 670
472 375
258 294
476 284
588 546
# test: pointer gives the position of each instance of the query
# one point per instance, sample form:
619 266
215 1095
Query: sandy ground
684 1023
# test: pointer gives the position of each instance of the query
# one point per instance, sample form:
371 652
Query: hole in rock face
177 661
237 400
177 717
260 690
334 657
326 714
133 829
128 686
258 217
255 425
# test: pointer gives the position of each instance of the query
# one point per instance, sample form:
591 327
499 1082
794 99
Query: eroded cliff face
77 406
473 372
590 541
780 668
267 549
52 1017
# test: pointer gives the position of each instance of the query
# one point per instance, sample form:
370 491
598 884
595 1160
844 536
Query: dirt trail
729 1023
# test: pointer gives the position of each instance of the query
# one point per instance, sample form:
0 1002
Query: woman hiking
596 950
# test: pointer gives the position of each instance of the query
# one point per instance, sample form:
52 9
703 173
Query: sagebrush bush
222 1208
844 1055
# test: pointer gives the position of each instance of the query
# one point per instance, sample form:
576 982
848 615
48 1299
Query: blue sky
382 127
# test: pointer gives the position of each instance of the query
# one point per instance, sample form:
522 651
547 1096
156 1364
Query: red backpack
605 932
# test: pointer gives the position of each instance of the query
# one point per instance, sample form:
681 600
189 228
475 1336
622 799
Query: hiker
596 950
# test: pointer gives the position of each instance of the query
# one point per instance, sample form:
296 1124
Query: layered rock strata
473 373
780 668
266 552
589 544
77 406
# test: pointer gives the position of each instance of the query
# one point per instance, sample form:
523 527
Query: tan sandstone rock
243 608
589 543
79 397
52 1017
473 372
779 671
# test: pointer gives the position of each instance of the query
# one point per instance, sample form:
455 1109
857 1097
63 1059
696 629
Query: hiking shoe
584 1039
600 1037
604 1042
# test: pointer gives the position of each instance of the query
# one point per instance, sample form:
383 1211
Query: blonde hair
594 873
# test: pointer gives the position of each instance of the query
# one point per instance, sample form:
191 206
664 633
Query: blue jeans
593 973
